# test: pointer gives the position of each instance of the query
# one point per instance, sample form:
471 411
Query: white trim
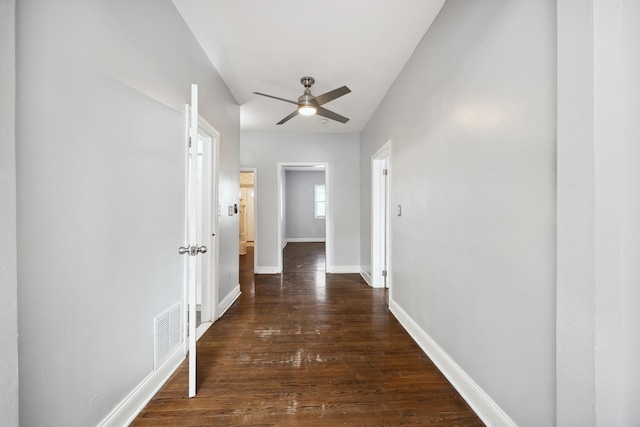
304 240
215 219
366 277
228 301
201 329
266 270
343 269
488 411
126 411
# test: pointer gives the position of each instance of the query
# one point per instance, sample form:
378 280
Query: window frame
316 201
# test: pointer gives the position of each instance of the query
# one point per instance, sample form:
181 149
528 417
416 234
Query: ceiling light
307 110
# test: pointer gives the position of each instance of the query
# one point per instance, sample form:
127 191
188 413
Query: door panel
202 222
192 231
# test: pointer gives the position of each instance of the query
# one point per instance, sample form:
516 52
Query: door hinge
189 142
384 273
385 172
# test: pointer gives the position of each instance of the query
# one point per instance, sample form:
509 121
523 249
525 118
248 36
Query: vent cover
166 333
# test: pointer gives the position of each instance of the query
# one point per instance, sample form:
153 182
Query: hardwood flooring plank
308 348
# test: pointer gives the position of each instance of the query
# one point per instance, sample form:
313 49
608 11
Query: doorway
247 219
283 237
380 271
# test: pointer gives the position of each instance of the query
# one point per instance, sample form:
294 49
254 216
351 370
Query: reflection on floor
246 261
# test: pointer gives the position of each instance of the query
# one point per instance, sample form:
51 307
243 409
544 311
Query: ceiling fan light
307 110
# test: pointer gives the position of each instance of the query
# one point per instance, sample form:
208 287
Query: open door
380 217
201 201
193 248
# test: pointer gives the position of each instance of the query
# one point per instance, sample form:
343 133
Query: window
319 202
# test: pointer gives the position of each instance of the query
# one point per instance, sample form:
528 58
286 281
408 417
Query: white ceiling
268 45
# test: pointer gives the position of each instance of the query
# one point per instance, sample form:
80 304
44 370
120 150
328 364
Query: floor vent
166 333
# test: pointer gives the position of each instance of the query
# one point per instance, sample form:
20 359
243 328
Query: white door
380 217
198 230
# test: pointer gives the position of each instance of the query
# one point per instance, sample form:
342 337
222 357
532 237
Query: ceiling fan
309 105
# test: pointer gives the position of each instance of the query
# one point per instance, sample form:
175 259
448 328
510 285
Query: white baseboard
343 269
488 411
305 239
266 270
229 300
126 411
367 277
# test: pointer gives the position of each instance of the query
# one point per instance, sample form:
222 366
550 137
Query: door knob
192 250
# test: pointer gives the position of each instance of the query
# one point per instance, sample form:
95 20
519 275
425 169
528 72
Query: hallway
308 348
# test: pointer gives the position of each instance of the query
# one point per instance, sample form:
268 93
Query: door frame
255 216
213 255
380 230
281 169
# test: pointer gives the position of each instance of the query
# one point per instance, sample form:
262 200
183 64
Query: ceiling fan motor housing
307 81
306 98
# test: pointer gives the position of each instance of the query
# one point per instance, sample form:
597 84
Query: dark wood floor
308 348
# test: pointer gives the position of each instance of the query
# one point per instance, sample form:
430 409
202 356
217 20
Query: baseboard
266 270
343 269
367 277
305 239
488 411
229 300
125 412
284 244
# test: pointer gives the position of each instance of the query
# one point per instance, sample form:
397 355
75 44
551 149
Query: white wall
472 122
301 222
630 212
100 166
263 150
598 213
8 263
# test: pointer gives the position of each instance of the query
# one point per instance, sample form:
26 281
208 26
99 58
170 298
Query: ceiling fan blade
275 97
289 117
330 96
331 115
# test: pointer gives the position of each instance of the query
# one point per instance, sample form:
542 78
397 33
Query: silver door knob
192 250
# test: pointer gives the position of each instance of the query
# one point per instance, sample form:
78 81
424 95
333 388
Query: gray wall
263 150
300 221
8 263
100 166
472 123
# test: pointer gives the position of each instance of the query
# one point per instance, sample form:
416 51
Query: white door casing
380 269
